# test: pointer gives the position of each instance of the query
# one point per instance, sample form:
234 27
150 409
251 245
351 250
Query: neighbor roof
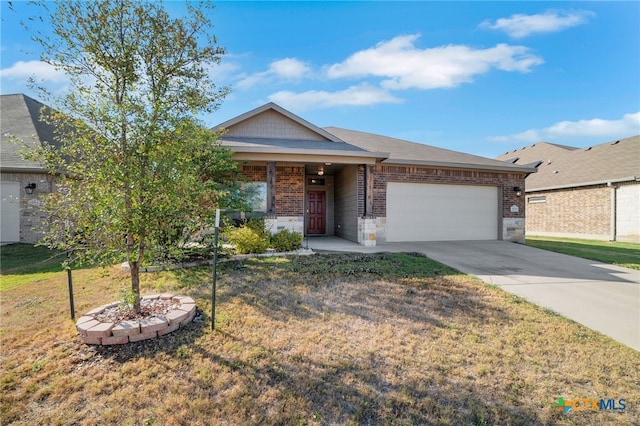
405 152
563 167
20 119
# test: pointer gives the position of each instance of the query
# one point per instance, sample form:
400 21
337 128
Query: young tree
137 172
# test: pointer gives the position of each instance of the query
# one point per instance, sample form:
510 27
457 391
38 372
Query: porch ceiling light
29 188
320 172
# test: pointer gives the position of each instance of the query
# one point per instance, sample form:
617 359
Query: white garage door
10 212
431 212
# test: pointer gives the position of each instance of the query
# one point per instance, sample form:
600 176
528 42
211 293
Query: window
256 195
541 199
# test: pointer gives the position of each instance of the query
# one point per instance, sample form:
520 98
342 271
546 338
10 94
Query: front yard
324 339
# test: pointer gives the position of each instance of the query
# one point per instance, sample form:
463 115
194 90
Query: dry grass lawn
331 339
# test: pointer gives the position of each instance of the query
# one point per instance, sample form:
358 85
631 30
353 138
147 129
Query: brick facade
586 212
505 181
290 190
290 193
582 211
289 197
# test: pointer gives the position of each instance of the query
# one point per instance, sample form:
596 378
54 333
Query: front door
316 213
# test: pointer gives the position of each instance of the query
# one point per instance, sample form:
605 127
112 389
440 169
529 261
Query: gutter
325 152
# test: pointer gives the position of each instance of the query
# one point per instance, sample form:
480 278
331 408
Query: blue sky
478 77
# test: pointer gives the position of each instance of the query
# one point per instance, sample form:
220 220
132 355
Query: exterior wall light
518 191
29 188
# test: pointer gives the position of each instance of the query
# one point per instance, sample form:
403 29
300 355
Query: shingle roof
20 118
405 152
563 166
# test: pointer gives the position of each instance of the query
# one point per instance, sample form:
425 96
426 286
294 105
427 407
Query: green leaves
139 174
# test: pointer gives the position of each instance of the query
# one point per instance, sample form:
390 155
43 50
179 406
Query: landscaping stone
169 329
92 340
143 336
126 328
115 340
86 325
100 327
150 324
176 316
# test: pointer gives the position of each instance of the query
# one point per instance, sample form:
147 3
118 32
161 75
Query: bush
251 237
286 240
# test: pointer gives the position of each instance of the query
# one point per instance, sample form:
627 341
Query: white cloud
363 94
287 69
520 25
404 66
38 70
629 124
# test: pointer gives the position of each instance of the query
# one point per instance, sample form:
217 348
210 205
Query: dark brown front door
316 209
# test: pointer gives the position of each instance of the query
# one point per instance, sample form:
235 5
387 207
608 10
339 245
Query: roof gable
271 121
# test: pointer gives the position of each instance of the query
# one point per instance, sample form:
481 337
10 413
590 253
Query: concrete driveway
603 297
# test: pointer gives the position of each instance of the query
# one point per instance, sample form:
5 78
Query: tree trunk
135 284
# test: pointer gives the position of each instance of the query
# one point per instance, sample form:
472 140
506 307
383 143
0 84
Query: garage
10 212
438 212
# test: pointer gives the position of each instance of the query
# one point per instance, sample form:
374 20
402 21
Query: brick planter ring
94 332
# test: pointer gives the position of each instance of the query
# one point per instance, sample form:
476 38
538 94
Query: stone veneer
94 332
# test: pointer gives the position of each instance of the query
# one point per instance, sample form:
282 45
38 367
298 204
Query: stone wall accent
367 231
292 223
513 229
94 332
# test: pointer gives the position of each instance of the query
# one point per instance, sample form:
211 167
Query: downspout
612 225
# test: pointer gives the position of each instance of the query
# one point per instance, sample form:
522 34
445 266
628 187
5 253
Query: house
590 193
22 181
369 188
317 181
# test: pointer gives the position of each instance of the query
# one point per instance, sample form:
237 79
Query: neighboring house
369 188
591 193
22 181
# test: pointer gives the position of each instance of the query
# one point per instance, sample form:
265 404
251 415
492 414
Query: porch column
368 191
271 188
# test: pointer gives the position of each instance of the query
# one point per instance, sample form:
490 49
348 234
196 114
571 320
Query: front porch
317 198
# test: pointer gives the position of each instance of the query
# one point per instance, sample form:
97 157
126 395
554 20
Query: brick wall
507 181
32 219
571 212
289 186
289 190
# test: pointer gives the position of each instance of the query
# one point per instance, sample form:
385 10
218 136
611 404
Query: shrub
249 238
286 240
